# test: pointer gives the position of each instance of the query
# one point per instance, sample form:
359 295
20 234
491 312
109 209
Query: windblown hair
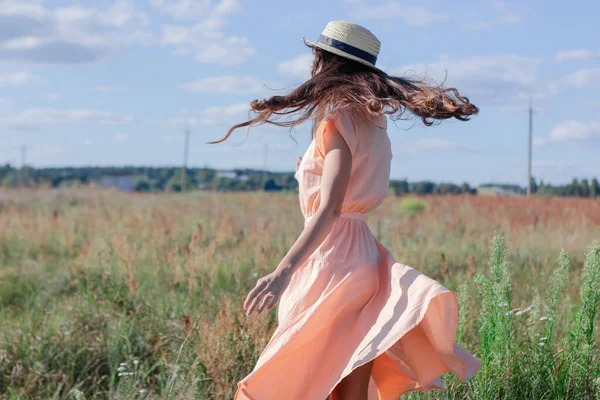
339 82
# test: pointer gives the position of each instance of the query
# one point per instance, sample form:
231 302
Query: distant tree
270 185
11 179
400 187
142 185
574 189
173 184
594 188
584 188
424 187
466 189
534 186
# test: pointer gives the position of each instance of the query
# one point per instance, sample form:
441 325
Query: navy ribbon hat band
346 48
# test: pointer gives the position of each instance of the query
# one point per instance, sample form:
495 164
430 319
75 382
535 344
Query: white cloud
17 79
502 15
74 34
205 39
53 97
576 132
498 80
581 78
227 115
442 144
477 26
36 118
225 84
411 15
297 67
573 55
194 9
206 43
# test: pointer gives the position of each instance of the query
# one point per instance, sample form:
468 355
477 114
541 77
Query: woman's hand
267 292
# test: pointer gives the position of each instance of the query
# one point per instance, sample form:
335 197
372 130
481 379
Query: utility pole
529 149
185 159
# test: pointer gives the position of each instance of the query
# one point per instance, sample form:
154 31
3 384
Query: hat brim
338 52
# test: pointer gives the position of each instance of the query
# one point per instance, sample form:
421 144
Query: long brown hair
339 82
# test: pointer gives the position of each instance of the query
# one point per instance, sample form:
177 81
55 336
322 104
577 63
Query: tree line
157 179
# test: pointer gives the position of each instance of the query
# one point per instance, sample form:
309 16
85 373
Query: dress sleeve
341 121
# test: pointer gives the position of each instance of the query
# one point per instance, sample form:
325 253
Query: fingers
274 301
264 299
256 300
268 299
260 285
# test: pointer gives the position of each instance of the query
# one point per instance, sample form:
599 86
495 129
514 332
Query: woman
353 322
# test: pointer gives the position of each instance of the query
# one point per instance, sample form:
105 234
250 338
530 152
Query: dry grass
90 279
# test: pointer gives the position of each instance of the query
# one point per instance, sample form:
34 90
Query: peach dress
351 301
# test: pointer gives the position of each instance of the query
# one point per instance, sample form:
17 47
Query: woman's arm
334 181
336 175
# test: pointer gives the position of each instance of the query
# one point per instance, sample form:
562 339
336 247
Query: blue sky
116 82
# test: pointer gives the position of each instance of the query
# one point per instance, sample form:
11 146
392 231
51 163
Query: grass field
126 296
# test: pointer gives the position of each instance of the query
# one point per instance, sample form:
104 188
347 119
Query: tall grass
105 295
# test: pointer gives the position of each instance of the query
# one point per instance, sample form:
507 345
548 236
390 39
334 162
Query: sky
117 82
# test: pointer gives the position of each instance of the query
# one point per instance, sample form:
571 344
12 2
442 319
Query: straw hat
349 40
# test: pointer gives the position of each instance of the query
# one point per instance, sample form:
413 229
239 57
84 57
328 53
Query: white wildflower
525 310
255 274
123 364
542 344
543 318
136 362
143 390
120 369
544 338
537 335
503 304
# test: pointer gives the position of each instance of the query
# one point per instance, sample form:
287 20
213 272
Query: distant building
124 183
232 175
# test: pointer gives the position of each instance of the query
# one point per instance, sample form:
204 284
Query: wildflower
503 304
543 318
123 364
525 310
542 344
143 391
136 362
255 274
537 335
544 338
513 311
120 369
